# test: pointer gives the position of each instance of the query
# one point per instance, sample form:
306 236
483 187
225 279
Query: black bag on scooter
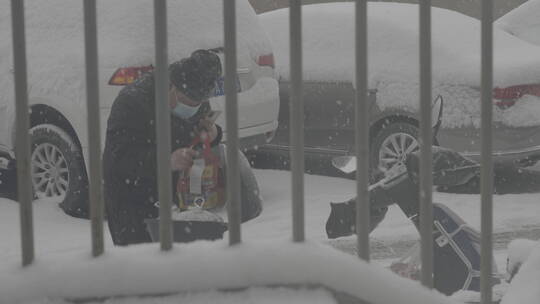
456 250
456 246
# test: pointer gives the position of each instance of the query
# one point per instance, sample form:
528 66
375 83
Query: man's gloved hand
182 159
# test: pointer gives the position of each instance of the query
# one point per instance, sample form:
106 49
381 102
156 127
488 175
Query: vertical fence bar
93 118
163 122
426 206
22 145
296 118
362 133
486 180
231 112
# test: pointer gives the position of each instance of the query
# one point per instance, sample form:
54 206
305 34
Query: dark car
393 79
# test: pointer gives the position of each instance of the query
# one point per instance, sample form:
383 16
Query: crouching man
129 159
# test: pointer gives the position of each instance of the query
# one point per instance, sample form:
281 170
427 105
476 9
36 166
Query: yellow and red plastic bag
203 186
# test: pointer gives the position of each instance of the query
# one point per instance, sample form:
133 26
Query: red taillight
506 97
125 76
266 60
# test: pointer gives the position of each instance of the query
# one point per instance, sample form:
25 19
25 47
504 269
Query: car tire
57 169
391 145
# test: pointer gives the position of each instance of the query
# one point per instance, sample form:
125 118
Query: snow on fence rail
296 110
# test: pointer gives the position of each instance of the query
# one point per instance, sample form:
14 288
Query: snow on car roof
126 28
203 265
523 21
328 46
55 39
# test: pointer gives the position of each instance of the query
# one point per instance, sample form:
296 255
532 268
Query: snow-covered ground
57 234
55 231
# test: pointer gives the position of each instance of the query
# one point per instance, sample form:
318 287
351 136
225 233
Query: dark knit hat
196 75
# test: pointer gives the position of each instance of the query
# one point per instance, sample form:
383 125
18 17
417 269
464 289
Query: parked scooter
347 164
456 246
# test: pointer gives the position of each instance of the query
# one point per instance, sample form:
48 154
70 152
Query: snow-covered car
393 79
523 22
56 76
269 271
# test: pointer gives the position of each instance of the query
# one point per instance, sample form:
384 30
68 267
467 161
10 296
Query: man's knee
376 216
251 208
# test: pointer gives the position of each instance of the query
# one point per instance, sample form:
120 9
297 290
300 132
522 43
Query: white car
523 21
56 76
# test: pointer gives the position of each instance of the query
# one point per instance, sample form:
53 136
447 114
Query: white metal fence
297 140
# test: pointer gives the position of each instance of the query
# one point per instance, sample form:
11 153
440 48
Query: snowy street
515 216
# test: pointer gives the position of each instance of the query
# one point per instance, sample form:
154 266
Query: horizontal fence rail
22 149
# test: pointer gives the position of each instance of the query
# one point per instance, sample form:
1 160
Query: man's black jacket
129 159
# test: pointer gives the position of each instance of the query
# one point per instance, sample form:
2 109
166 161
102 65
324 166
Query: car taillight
507 97
266 60
125 76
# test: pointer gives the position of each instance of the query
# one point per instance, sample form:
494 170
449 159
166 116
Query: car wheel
392 144
57 169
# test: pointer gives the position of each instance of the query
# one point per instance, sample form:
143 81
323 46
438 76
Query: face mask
184 111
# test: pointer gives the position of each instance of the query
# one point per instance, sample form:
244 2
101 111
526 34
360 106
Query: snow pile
524 113
393 48
518 252
469 296
524 288
523 22
199 266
